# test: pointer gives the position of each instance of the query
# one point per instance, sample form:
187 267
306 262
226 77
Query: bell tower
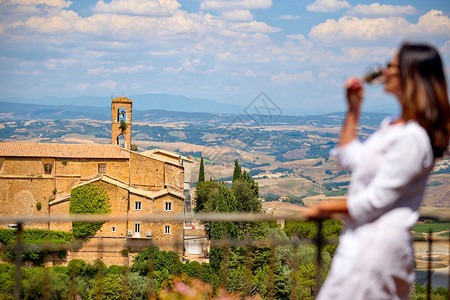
121 110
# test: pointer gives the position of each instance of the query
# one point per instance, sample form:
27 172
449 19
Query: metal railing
19 247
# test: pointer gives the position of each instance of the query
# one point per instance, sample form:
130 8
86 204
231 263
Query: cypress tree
201 173
237 171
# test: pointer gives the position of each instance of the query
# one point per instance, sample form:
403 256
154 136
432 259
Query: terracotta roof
62 150
156 154
122 99
123 185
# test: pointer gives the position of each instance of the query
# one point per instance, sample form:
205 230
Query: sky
299 52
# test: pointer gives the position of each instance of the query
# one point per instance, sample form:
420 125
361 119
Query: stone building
37 179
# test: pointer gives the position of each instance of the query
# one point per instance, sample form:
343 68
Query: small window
138 205
48 168
102 168
168 206
114 229
137 227
167 229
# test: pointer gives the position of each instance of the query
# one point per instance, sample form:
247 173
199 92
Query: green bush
88 199
38 237
38 206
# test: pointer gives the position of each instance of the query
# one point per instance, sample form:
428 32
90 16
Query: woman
375 258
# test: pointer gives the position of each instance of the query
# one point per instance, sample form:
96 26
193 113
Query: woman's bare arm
326 209
355 93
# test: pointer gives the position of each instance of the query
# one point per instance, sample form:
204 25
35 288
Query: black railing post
319 244
430 242
19 249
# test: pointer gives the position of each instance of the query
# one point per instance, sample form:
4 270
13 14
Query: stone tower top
122 99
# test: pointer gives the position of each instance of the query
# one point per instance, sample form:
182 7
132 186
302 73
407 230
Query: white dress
375 258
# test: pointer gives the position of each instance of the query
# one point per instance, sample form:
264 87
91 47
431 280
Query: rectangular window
137 227
167 229
168 206
138 205
48 168
114 229
102 168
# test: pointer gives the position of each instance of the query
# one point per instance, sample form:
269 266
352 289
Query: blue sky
299 52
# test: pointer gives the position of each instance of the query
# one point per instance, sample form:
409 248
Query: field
287 156
431 226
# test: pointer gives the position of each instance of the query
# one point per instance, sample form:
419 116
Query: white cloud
368 53
138 7
327 5
51 3
287 79
354 29
82 86
255 26
445 50
297 37
108 84
26 64
233 5
238 15
66 21
54 63
250 73
119 70
290 17
432 23
375 9
32 72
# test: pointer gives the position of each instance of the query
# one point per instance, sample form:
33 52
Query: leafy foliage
88 199
34 237
123 125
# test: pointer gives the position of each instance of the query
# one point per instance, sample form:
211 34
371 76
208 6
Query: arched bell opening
121 114
121 141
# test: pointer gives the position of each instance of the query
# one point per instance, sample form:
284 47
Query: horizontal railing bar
168 217
269 242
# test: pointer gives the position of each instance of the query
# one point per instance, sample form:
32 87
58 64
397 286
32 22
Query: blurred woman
375 257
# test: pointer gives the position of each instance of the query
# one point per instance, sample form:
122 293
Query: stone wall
146 173
174 176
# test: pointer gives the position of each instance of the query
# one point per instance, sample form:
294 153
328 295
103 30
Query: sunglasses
391 65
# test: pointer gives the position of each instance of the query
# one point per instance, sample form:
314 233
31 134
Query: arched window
121 141
121 114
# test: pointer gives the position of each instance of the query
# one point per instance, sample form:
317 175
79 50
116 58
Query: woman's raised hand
355 93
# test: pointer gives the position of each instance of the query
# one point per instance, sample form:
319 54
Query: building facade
37 179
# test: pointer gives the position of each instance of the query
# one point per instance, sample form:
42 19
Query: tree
203 195
110 287
88 199
237 174
201 173
246 199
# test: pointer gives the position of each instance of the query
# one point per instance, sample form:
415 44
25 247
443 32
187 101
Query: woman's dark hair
425 97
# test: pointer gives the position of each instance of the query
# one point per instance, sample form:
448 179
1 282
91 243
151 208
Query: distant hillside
21 111
140 102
